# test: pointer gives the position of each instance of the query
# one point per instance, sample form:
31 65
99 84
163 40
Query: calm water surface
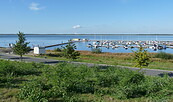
44 40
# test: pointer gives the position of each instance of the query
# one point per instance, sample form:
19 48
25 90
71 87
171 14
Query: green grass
12 75
123 59
35 82
164 55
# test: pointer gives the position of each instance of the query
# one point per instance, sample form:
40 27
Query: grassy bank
124 59
64 82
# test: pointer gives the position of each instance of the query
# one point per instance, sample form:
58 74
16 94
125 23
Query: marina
107 43
131 44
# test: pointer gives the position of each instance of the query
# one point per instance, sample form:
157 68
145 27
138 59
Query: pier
58 44
129 42
70 41
122 44
55 45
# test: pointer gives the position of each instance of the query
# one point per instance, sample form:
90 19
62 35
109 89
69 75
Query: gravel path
152 72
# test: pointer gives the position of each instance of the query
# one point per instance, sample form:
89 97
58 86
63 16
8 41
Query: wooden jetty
56 45
59 44
70 41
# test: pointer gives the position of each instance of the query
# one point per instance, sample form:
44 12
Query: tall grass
164 55
79 83
96 50
9 70
66 82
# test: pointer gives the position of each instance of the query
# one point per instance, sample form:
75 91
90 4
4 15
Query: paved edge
151 72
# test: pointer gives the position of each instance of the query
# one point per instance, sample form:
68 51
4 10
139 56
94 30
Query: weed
96 50
164 55
141 57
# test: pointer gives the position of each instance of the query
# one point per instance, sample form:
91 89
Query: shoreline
90 34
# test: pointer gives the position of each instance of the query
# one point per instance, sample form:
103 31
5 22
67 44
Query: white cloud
35 6
76 26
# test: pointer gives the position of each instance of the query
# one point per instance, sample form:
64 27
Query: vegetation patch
141 57
96 50
69 51
34 82
164 55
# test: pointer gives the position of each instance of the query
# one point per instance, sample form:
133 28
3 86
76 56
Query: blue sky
86 16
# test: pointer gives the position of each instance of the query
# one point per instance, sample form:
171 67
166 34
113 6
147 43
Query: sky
86 16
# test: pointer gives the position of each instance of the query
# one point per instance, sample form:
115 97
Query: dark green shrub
67 82
10 70
107 80
80 87
6 67
156 85
19 68
136 78
75 79
54 55
159 89
164 55
96 50
141 57
33 92
21 47
7 80
69 51
131 85
57 49
131 91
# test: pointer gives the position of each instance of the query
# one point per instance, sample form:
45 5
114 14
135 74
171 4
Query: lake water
44 40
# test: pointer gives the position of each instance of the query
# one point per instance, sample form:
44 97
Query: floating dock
123 43
131 44
135 42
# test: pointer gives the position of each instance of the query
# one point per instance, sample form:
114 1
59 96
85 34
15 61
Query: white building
39 50
75 39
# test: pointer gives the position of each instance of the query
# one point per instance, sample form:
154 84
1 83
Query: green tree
21 47
141 57
69 51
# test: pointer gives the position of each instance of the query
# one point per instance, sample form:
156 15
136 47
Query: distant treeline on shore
89 34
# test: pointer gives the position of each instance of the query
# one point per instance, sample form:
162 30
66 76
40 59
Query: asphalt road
152 72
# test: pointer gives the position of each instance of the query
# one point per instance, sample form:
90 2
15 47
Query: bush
131 91
57 49
61 81
18 68
33 92
108 77
69 51
141 57
132 86
96 50
21 47
10 70
107 80
67 82
164 55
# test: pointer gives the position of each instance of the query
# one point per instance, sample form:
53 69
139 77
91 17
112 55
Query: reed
164 55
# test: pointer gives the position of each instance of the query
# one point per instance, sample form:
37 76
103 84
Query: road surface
152 72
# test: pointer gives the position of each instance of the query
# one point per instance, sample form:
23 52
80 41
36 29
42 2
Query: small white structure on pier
76 39
39 50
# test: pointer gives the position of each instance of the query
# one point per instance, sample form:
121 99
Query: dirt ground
5 50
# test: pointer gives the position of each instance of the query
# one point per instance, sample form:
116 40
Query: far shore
90 34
